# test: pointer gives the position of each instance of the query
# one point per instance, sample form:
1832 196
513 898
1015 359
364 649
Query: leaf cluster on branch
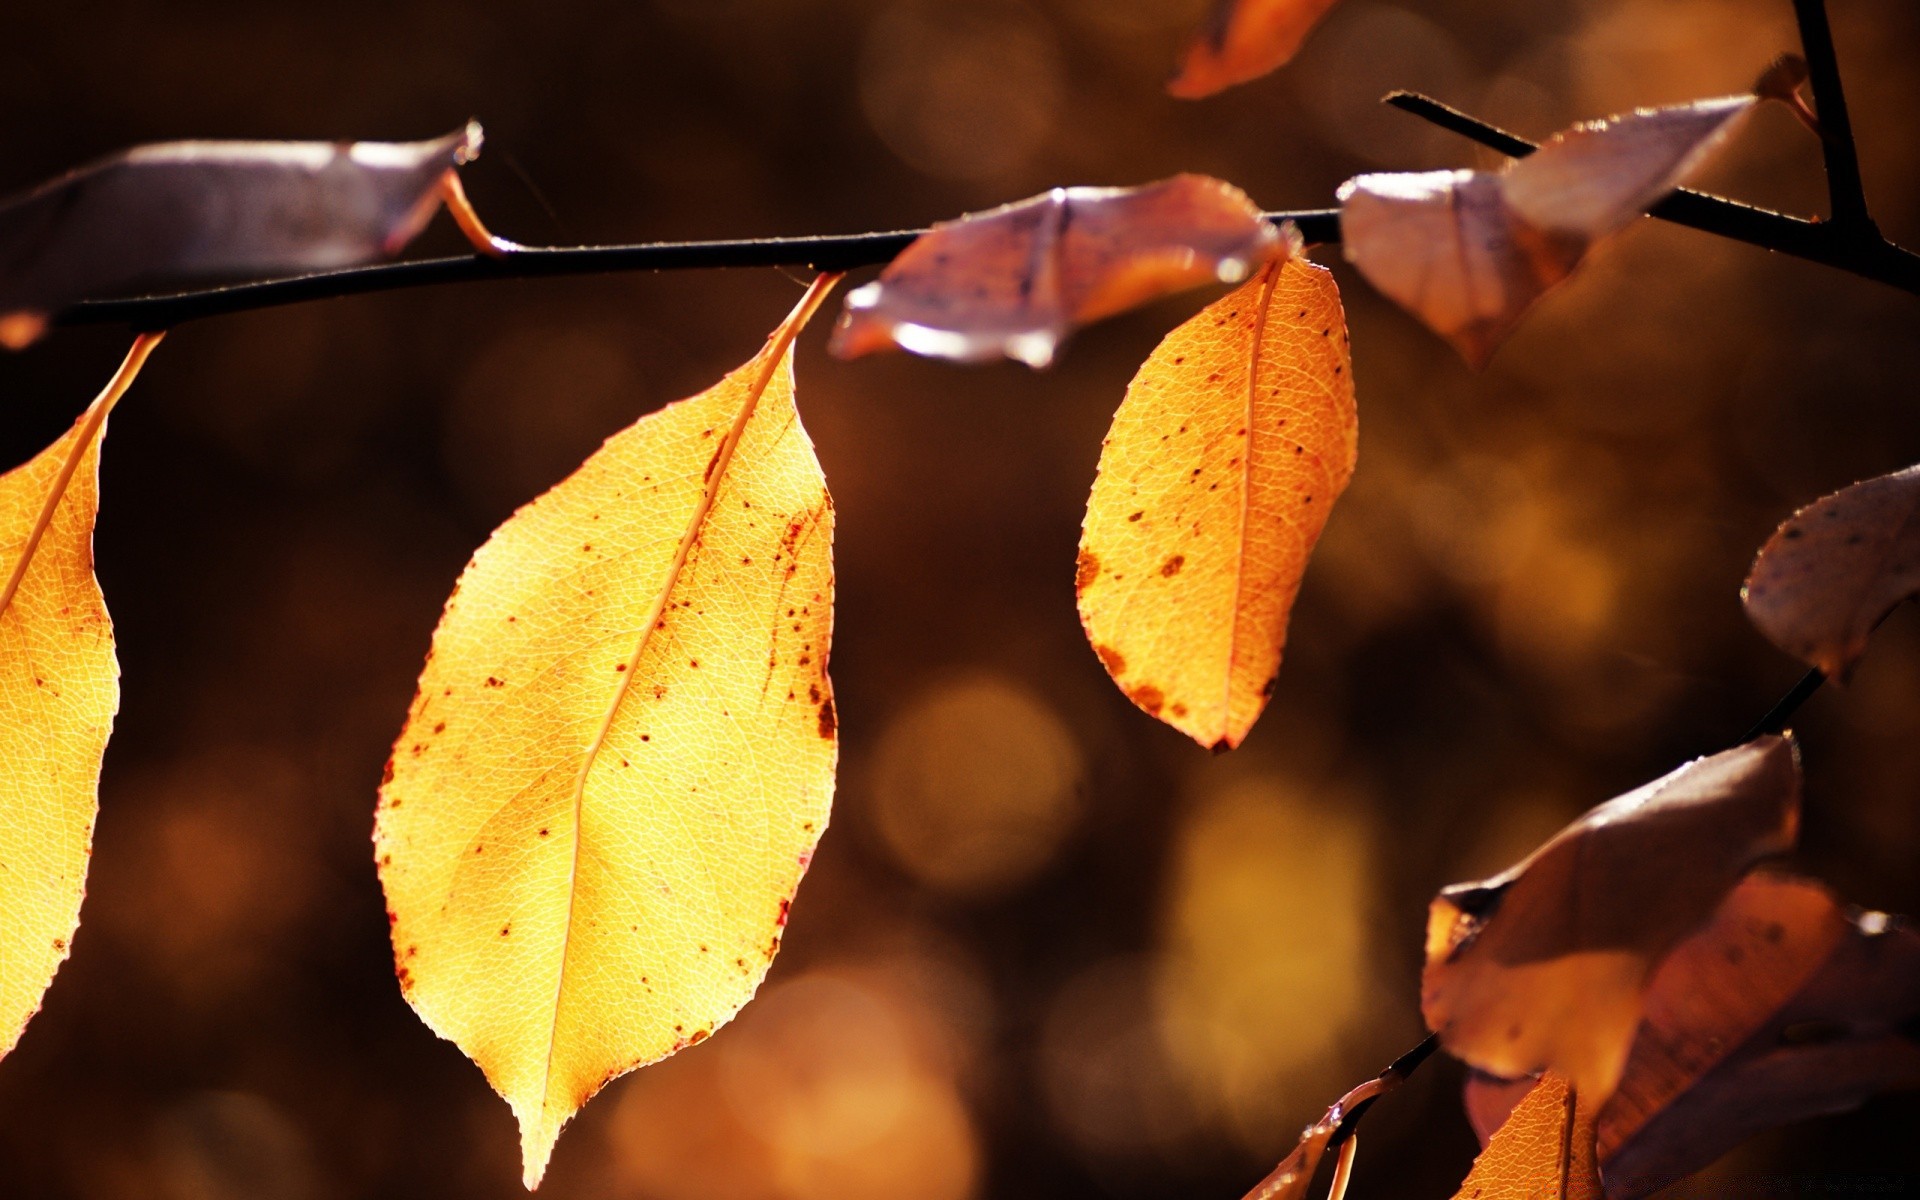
622 751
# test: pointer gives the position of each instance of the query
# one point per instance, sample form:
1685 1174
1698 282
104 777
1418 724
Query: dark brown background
1049 948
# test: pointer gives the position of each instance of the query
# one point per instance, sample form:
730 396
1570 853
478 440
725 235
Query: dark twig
814 253
1823 242
1846 195
1396 1073
1777 717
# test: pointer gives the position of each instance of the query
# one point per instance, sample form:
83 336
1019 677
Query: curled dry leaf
1544 1150
1223 463
1016 280
1468 252
1545 965
622 752
1787 1005
60 687
1835 568
1243 40
175 213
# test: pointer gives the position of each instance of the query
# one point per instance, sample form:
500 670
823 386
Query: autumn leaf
1835 568
60 687
622 752
1787 1006
173 213
1017 279
1243 40
1545 965
1216 479
1468 252
1544 1151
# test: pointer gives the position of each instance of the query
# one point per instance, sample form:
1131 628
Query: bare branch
1846 195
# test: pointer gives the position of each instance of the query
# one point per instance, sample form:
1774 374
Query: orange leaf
1545 966
174 213
1835 568
1017 279
1544 1151
622 752
60 687
1243 40
1224 460
1468 252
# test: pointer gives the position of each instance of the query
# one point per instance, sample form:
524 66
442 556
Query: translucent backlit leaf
59 688
1243 40
1544 1151
622 752
1468 252
175 213
1017 279
1827 576
1216 479
1545 965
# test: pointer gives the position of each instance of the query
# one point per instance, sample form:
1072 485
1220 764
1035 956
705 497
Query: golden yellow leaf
622 751
1017 279
1546 965
1243 40
1224 460
1830 573
1468 252
59 687
1544 1151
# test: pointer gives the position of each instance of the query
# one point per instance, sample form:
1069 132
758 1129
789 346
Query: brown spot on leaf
827 720
1172 566
1148 697
1086 570
1112 660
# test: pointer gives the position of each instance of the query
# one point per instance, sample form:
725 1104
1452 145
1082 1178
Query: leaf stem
1828 243
1845 193
90 423
1343 1169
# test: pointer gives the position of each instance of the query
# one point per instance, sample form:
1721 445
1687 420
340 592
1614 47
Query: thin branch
1823 242
1846 195
1396 1073
1782 712
830 253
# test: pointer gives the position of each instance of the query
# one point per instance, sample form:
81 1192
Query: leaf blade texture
1015 280
622 753
177 213
1216 479
1468 253
1545 966
1544 1151
60 687
1835 568
1243 40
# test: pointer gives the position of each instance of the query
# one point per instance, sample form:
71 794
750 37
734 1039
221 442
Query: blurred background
1049 948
